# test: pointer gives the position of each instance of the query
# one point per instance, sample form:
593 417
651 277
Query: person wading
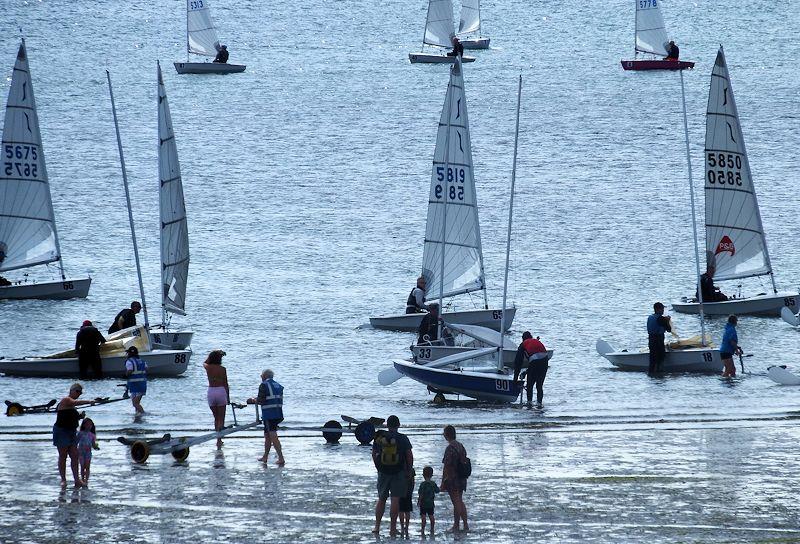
270 398
532 353
87 344
391 454
657 326
729 347
455 472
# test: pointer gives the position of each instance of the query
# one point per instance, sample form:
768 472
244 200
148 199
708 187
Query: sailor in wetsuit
458 48
532 353
126 318
673 52
87 344
222 53
657 326
709 291
416 299
429 328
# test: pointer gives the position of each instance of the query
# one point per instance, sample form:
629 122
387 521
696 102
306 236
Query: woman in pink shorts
218 393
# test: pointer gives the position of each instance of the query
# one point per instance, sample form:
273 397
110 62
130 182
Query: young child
405 505
427 495
87 440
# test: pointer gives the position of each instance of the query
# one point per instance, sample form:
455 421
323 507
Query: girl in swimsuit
218 393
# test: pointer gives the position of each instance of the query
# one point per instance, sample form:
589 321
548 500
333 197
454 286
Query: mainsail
735 240
200 31
470 17
27 226
439 23
452 203
174 230
651 36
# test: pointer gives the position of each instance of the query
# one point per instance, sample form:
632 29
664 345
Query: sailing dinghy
691 355
463 373
202 40
735 242
439 32
467 337
452 259
469 26
651 39
28 235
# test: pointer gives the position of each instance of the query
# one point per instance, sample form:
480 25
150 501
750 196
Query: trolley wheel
438 398
140 451
332 437
180 455
365 432
14 409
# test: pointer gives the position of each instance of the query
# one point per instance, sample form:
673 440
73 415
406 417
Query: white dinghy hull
704 360
791 317
782 375
432 58
51 290
410 322
424 354
170 339
160 363
208 68
475 43
763 305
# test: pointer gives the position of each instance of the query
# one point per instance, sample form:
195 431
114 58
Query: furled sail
174 230
470 17
651 36
439 23
27 226
735 240
200 29
452 203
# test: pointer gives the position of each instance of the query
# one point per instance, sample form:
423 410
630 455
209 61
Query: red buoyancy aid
532 346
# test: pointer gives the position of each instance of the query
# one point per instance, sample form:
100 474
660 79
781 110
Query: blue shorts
64 438
725 355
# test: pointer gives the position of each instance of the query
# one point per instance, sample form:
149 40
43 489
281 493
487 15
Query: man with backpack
391 454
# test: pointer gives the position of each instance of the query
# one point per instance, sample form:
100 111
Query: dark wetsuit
710 292
4 282
537 367
128 320
657 327
222 56
87 344
458 50
673 52
430 327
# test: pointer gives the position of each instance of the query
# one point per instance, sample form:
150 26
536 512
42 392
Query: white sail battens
201 34
439 23
735 241
470 17
27 225
453 185
651 36
174 229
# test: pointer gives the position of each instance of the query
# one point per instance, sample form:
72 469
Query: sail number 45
18 160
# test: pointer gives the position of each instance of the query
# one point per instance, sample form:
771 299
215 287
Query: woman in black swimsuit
65 433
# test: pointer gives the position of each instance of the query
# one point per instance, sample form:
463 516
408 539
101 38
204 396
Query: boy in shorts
427 495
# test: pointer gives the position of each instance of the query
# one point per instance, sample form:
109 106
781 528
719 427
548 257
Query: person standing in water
136 371
65 433
657 326
87 344
218 393
270 398
729 347
532 353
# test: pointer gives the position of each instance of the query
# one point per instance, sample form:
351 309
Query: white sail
651 36
470 17
174 230
453 188
201 34
735 240
439 23
27 226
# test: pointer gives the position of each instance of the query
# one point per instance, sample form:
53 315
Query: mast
128 200
508 237
446 189
694 217
158 154
187 30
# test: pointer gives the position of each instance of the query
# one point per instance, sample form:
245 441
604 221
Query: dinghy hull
701 360
782 375
429 58
53 290
489 386
763 305
170 339
410 322
646 65
208 68
433 353
790 317
160 363
475 43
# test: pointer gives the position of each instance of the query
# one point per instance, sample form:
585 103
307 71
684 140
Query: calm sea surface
306 182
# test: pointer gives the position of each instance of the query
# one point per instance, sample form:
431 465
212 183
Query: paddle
388 376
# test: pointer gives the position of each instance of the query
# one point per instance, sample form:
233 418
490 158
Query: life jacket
272 407
137 380
534 349
411 302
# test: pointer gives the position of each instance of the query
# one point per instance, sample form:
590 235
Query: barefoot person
427 498
391 454
270 398
65 433
218 392
453 482
86 442
729 347
136 371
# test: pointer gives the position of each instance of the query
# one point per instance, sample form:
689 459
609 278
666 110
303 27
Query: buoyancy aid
272 401
534 349
137 380
411 303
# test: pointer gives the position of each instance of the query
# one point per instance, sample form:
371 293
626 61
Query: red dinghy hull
656 64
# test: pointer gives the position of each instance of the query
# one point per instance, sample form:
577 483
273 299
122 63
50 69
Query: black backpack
464 468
